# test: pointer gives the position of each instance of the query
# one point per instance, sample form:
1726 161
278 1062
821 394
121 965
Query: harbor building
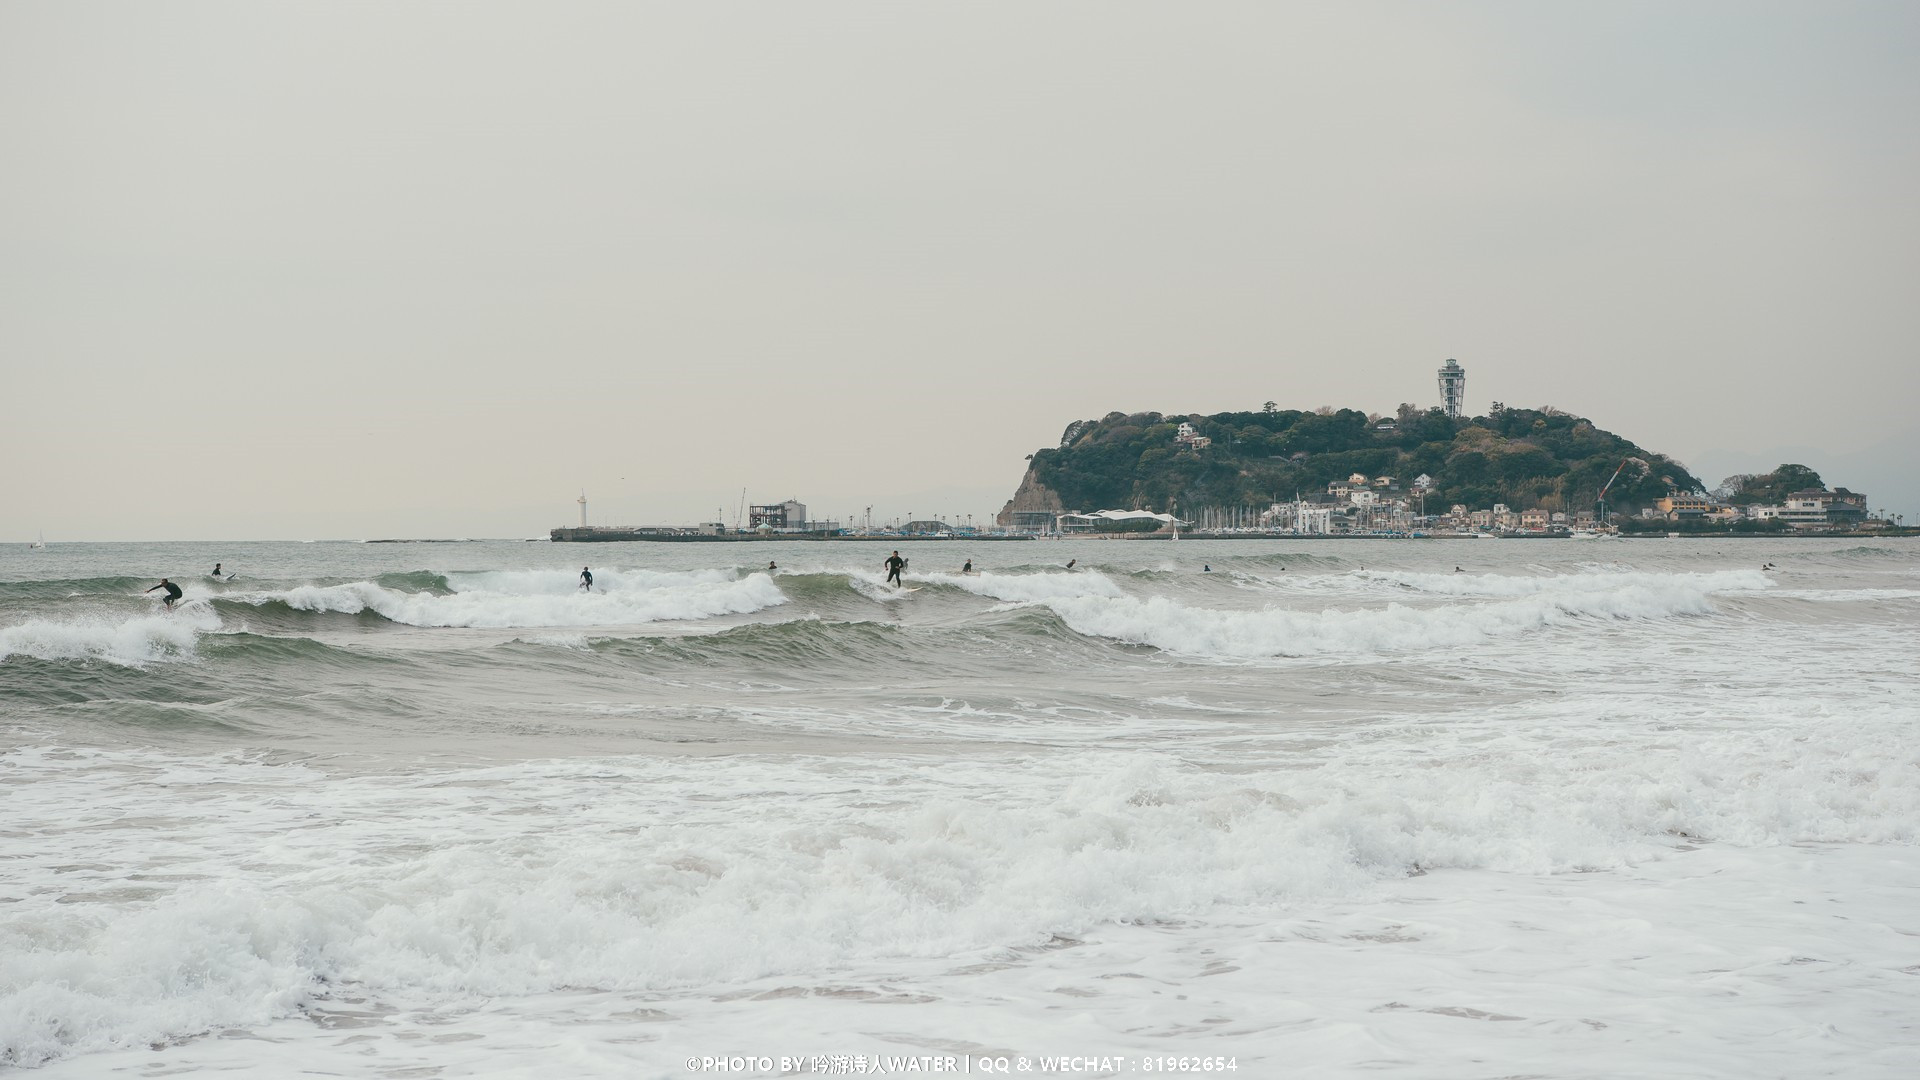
791 514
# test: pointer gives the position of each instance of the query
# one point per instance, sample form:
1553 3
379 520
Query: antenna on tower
582 500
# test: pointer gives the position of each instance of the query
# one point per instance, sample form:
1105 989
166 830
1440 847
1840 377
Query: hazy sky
338 269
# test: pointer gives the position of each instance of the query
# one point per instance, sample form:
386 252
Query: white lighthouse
582 500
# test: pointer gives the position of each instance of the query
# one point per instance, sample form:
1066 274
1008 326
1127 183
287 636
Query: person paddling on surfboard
216 569
586 579
894 565
173 592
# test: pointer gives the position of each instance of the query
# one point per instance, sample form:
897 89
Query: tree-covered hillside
1521 457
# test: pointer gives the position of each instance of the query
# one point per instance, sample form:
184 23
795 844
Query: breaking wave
1527 604
143 639
539 598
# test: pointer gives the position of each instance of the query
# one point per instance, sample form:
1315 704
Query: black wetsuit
894 565
586 579
173 591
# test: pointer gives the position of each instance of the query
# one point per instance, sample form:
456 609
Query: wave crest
536 598
143 639
1524 604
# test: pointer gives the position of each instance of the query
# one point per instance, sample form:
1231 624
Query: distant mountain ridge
1524 458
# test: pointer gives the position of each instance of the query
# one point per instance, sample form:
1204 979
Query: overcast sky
305 270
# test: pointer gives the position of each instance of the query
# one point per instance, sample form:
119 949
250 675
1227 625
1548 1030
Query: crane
1601 499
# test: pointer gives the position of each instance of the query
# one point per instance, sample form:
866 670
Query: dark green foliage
1770 489
1521 457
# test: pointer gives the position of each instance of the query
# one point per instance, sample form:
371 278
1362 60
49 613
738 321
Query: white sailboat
40 544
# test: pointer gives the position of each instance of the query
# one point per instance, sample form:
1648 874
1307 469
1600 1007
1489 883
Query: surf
1513 606
143 639
517 599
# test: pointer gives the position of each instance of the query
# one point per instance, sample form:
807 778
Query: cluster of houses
1378 505
1186 436
1362 504
1810 509
1375 504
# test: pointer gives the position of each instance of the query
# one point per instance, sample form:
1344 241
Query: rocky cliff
1032 496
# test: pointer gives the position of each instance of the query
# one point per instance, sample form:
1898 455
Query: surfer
967 569
894 565
216 569
173 592
1205 569
1070 563
586 579
771 566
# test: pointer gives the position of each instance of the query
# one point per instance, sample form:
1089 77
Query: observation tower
1453 388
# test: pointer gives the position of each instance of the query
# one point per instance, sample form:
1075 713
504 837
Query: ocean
1420 809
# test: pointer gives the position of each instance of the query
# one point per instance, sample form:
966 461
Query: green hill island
1342 471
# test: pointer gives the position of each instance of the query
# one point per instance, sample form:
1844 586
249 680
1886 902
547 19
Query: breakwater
604 534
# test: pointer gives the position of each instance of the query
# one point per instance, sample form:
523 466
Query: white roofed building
1093 521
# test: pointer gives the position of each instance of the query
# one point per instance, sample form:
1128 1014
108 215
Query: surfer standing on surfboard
586 579
894 565
173 592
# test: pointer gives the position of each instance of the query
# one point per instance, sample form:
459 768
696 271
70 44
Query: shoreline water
388 807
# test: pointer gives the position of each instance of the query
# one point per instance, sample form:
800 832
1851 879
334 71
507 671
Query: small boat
38 545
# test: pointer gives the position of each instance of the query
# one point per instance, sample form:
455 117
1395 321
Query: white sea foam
1179 627
279 887
608 579
1014 588
142 639
535 598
